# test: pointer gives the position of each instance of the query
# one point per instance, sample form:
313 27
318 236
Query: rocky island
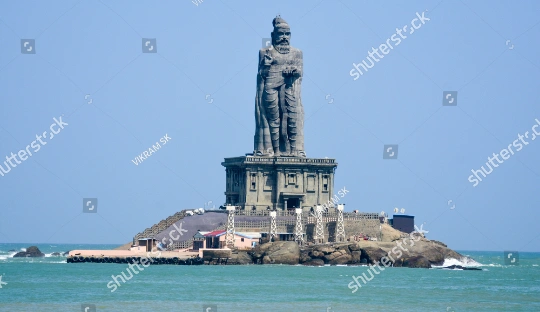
281 206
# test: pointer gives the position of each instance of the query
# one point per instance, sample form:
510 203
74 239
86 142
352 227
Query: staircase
159 227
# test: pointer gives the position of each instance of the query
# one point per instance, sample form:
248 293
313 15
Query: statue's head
281 36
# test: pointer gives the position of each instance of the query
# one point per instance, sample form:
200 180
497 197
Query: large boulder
435 252
31 251
281 252
209 254
416 262
241 257
314 262
373 254
356 256
340 256
341 259
305 256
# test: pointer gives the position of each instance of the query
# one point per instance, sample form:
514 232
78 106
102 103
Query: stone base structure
278 183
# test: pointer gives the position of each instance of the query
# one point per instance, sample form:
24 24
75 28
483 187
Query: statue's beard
282 47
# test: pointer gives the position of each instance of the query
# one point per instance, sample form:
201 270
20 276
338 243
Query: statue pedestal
282 183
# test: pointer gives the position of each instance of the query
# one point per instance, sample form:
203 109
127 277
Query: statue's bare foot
302 153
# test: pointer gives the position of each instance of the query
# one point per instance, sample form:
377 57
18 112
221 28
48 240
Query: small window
325 183
242 239
253 181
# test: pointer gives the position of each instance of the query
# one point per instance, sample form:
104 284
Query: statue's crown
278 22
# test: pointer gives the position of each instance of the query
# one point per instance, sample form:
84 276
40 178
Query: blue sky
91 51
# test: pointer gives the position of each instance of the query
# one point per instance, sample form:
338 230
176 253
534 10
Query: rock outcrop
398 249
277 253
209 254
459 267
31 251
241 257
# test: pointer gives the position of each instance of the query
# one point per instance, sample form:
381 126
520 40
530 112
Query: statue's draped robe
279 113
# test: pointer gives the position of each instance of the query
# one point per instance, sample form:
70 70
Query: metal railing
370 222
187 244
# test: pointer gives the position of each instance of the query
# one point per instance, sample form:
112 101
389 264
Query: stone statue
279 114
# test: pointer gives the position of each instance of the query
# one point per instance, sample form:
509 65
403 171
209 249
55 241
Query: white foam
10 255
464 262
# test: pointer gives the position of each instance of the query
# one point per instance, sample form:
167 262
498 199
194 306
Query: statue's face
281 36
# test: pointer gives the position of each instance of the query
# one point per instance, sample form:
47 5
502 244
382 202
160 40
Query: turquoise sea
51 284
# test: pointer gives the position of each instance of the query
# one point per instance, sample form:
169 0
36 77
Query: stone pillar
280 186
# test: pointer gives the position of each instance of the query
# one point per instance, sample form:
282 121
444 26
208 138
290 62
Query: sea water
51 284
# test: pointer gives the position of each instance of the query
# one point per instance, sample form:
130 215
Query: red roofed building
216 239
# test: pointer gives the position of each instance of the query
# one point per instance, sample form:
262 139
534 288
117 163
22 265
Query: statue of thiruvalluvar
279 115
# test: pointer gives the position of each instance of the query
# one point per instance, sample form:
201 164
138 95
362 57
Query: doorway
293 203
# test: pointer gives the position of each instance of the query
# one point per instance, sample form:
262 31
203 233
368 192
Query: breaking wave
464 262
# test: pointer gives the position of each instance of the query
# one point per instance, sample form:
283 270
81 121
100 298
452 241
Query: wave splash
464 262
